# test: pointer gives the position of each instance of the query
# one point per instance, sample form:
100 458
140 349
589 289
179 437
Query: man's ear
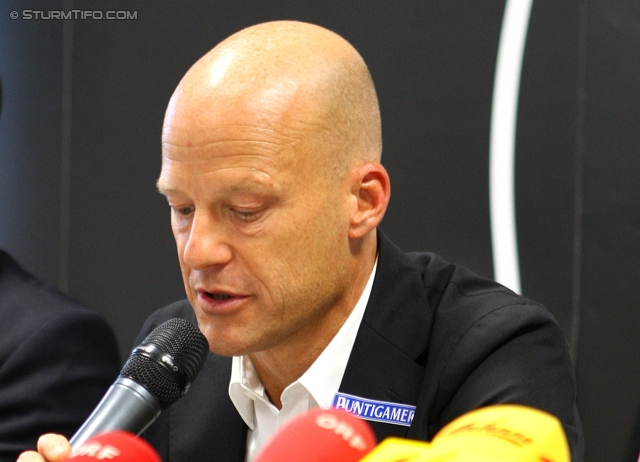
371 188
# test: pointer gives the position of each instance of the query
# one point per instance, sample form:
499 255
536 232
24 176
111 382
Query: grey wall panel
609 354
30 129
546 156
435 88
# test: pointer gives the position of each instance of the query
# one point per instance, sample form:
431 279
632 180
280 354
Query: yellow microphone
400 450
500 433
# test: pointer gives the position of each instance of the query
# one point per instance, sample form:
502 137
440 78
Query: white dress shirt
315 388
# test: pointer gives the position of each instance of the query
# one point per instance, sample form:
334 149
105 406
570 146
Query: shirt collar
322 380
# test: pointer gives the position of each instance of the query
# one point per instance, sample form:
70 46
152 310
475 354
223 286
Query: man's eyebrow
164 188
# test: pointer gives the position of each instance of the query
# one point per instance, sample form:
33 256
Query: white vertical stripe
504 114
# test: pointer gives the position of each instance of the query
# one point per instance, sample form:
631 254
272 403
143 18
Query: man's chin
226 345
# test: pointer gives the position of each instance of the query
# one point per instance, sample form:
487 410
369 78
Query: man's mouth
220 296
220 303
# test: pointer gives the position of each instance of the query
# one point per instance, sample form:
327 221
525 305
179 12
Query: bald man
271 167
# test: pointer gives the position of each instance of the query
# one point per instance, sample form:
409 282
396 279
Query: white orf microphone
158 372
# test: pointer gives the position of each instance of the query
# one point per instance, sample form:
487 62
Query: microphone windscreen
318 436
167 360
394 449
158 372
501 433
117 446
505 432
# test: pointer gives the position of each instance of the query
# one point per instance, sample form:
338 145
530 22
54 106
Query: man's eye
183 210
247 216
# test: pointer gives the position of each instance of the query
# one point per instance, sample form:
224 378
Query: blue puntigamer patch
377 411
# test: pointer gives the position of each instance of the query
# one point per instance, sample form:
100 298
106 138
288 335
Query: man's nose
206 245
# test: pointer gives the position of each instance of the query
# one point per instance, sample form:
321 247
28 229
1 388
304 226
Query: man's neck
279 367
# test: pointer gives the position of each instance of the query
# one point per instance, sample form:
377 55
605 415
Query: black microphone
158 372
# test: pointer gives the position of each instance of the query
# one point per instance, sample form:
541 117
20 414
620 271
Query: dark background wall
80 152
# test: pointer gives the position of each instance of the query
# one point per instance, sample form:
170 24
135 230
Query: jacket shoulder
489 345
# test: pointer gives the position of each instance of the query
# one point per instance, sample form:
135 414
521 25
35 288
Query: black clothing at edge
57 360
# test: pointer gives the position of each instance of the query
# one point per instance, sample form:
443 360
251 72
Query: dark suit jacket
433 335
57 359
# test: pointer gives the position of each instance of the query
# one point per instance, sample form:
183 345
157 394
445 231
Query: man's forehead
243 155
246 180
231 147
224 154
266 123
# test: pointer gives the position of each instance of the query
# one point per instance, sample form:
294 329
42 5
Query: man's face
261 230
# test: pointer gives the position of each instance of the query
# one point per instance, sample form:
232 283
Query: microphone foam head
118 446
499 433
318 436
167 360
505 432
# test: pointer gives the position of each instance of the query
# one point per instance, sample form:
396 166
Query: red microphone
119 446
318 436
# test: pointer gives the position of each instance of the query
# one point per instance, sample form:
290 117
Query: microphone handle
127 405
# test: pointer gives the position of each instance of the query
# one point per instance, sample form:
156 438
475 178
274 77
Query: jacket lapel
385 363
